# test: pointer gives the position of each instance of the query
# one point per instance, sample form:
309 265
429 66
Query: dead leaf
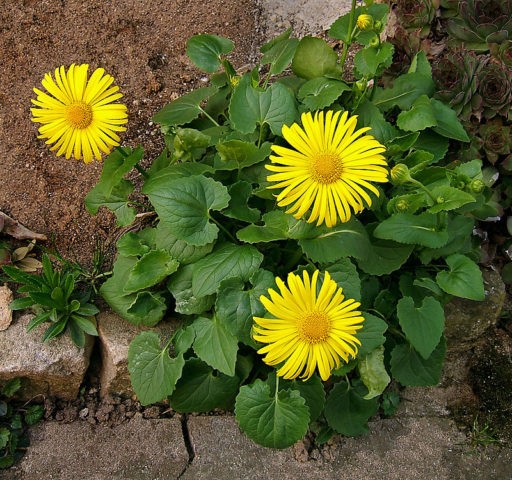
15 229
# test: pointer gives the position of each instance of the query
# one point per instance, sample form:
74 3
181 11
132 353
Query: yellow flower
311 327
330 168
364 22
77 114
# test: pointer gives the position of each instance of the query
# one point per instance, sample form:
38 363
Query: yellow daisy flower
77 114
311 327
364 22
330 169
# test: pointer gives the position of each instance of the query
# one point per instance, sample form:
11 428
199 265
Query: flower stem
347 44
277 386
141 171
209 117
224 229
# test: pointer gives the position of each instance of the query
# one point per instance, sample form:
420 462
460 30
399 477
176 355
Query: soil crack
188 443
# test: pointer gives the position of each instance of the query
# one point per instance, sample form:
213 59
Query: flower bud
234 81
361 84
364 22
402 206
476 185
374 41
400 174
377 26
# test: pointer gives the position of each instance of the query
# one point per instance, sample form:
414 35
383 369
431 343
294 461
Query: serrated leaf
276 227
371 335
149 307
272 421
238 207
184 109
384 257
449 198
404 91
279 55
464 279
184 205
373 373
235 307
5 434
206 51
344 273
250 107
227 261
152 372
237 154
419 229
131 244
371 60
433 143
420 116
33 414
215 345
347 411
11 387
201 390
410 369
321 92
370 116
422 326
149 270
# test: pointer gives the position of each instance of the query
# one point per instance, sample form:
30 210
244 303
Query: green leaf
384 257
131 244
411 369
206 51
420 64
55 329
464 279
117 202
250 107
152 372
371 60
200 389
236 307
404 91
279 54
189 144
184 109
33 414
390 402
420 116
449 198
314 58
371 335
38 320
21 303
87 324
215 345
226 262
344 273
149 270
326 245
5 434
433 143
174 172
370 116
238 207
276 227
321 92
274 421
373 373
341 30
236 154
184 205
448 124
422 326
347 411
180 285
139 309
412 229
11 387
178 249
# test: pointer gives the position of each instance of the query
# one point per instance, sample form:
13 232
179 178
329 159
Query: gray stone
395 449
115 335
5 311
467 320
137 450
55 368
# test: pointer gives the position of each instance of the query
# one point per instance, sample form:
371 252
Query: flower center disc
79 115
326 168
314 327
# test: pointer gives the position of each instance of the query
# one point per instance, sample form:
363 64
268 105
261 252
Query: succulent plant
416 14
456 74
502 51
495 88
496 139
481 22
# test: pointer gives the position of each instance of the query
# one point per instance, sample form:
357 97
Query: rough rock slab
5 311
115 335
55 368
137 450
395 449
467 320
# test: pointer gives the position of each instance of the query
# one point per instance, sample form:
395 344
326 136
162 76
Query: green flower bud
378 26
440 200
400 174
402 206
234 81
364 22
476 185
374 41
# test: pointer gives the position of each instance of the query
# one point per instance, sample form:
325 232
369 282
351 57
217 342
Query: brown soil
140 43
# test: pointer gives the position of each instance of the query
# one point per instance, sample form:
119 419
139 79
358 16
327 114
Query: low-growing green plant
14 419
369 264
54 298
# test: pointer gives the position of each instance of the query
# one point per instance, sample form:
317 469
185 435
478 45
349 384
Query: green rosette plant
303 222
